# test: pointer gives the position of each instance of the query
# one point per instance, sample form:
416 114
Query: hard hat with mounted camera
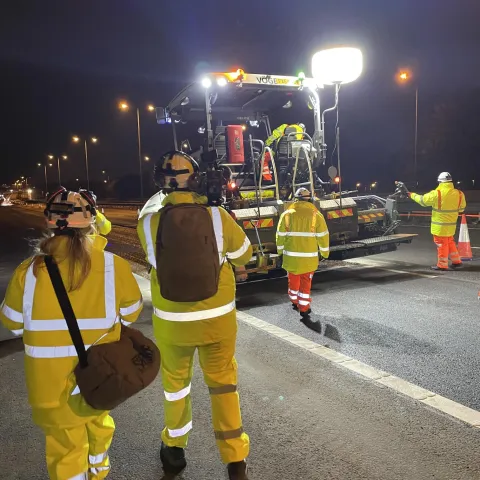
178 171
66 210
444 177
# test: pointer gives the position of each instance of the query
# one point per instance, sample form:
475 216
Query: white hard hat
303 194
177 171
444 177
70 209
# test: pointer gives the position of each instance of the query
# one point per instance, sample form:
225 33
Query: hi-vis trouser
299 288
220 373
77 448
446 247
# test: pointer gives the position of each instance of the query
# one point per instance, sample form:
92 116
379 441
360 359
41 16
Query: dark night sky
66 64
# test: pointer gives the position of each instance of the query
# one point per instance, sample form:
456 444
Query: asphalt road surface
307 417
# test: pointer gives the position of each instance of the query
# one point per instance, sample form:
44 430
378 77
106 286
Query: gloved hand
402 190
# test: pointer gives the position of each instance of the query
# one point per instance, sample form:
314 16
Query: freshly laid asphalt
308 418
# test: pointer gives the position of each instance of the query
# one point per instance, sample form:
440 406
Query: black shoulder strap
67 310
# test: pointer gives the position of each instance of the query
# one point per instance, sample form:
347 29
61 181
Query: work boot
237 470
173 459
439 269
295 307
457 265
306 314
315 326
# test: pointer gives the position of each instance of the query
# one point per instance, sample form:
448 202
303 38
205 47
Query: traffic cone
464 248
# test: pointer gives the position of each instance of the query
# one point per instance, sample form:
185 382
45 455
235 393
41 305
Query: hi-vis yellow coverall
209 326
77 436
447 203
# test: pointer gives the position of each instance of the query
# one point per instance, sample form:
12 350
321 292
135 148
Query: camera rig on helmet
178 171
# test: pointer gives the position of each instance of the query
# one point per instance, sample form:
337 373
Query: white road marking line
433 400
378 265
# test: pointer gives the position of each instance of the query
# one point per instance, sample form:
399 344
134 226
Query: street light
51 157
151 108
46 177
147 159
405 77
93 140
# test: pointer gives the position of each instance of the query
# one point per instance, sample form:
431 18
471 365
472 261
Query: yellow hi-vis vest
210 320
109 294
446 202
301 234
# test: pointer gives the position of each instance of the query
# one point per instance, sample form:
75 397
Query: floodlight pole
318 137
337 140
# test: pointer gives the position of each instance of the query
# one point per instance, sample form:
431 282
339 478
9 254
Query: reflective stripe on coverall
301 234
446 202
210 325
77 436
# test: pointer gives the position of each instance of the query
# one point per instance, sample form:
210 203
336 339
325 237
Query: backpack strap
67 310
439 199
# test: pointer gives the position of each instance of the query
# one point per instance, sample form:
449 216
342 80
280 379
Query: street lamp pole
46 180
416 136
86 164
58 166
139 153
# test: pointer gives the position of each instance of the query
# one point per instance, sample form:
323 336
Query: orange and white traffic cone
464 248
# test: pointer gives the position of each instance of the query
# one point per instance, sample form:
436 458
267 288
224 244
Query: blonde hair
76 251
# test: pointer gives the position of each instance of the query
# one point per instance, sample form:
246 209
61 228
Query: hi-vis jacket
280 131
446 202
211 320
109 295
301 233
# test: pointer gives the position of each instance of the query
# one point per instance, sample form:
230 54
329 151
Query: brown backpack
109 373
188 264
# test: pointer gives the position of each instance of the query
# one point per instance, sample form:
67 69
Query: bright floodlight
337 65
222 81
206 82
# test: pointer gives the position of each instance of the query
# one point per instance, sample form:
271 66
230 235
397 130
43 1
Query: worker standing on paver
191 247
272 142
446 202
102 290
301 234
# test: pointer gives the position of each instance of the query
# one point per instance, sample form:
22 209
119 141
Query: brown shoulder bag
109 373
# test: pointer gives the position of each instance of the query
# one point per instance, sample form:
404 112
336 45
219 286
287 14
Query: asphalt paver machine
229 113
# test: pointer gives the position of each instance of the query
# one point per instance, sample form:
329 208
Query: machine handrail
312 186
262 158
